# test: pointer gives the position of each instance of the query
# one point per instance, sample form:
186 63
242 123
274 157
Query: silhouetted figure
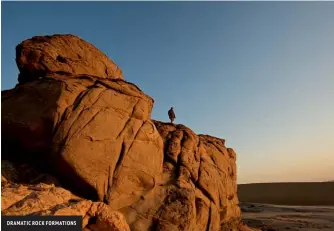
171 115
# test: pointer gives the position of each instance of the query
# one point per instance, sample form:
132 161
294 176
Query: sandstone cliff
75 117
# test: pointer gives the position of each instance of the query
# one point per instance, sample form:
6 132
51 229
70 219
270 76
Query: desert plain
288 206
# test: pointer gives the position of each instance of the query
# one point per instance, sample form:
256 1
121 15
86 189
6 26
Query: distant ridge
292 193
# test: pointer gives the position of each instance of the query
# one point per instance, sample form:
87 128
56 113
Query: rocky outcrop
62 54
205 169
95 135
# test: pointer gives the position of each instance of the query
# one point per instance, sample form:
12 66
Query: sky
258 74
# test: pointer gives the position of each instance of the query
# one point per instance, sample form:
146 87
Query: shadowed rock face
24 193
63 54
95 135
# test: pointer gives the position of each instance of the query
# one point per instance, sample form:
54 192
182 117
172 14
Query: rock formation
64 55
73 116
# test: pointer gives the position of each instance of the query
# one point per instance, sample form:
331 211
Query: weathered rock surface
205 169
19 198
96 136
92 131
63 54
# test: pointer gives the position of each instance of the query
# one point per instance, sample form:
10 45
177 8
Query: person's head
171 108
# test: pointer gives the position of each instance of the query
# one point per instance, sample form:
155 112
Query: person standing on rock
171 115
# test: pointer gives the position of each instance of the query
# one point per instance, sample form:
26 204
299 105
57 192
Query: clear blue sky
259 74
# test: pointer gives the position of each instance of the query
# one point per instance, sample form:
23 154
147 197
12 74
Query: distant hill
312 193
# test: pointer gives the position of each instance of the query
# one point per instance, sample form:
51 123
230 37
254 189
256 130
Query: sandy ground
288 206
279 218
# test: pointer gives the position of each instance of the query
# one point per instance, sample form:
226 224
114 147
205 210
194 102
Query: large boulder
96 136
91 131
64 54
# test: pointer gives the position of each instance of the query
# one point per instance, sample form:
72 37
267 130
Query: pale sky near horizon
258 74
